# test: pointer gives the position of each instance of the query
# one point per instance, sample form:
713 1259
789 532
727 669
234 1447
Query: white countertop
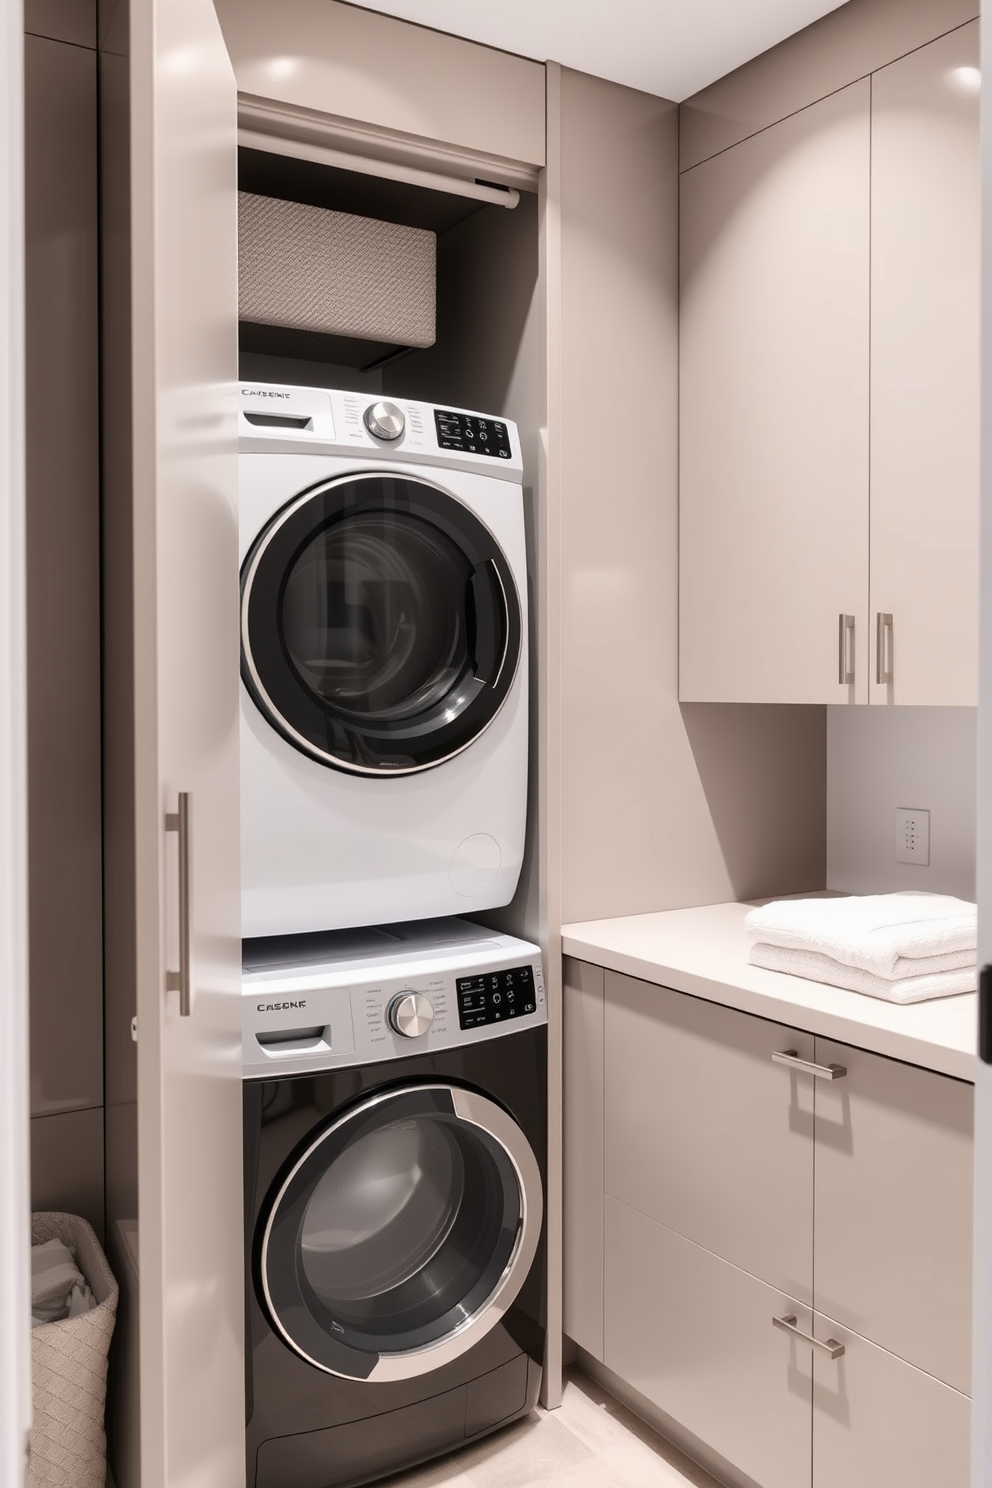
704 952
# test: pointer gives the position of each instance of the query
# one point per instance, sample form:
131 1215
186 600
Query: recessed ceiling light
966 79
284 67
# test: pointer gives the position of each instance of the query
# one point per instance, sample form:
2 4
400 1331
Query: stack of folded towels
903 947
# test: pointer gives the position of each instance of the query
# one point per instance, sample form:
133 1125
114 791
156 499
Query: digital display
476 436
495 996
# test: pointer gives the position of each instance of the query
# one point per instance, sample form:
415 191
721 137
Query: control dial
410 1014
385 420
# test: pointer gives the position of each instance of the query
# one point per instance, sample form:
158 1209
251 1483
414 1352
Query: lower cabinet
693 1334
775 1237
893 1208
877 1421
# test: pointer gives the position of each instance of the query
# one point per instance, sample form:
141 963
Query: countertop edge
908 1047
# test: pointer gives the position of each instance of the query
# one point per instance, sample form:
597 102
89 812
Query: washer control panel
311 1019
494 996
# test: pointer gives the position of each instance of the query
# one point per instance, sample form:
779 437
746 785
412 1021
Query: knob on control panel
385 420
410 1014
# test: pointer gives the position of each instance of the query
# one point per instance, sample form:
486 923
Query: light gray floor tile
591 1442
526 1453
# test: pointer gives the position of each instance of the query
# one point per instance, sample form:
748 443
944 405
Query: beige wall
881 758
661 806
843 46
63 560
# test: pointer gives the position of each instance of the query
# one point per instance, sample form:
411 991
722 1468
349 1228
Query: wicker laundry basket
69 1369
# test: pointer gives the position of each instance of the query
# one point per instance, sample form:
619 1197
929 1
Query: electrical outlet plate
913 836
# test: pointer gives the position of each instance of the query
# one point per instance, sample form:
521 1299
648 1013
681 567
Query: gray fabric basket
308 269
69 1369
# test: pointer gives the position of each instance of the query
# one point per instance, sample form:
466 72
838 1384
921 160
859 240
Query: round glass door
380 624
401 1234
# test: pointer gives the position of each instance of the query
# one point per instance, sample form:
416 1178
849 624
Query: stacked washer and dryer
395 1054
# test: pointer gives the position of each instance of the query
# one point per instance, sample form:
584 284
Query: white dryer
383 660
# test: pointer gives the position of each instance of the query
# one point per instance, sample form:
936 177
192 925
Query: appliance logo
262 393
279 1007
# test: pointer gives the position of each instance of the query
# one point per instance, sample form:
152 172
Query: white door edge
15 1357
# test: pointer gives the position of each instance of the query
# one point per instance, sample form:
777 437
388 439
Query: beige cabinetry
774 411
676 1065
829 426
691 1333
785 1223
924 374
893 1197
582 1117
877 1420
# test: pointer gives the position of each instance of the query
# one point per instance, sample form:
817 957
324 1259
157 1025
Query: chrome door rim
274 716
474 1110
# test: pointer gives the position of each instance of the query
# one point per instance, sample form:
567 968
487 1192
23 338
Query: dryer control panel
320 1014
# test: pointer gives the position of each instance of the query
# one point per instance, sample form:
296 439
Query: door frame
981 1456
15 1202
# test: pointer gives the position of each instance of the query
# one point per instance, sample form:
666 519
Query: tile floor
591 1442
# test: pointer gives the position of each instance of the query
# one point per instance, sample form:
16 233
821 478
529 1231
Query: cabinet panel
876 1420
925 370
694 1335
583 1154
893 1199
358 64
705 1134
774 410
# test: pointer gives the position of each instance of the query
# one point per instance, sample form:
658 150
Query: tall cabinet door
774 412
184 350
924 378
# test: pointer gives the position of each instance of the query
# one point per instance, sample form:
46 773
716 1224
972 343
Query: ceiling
669 47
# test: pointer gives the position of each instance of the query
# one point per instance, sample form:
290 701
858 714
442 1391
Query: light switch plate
913 836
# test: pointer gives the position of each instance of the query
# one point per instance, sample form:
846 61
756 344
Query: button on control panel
476 436
494 996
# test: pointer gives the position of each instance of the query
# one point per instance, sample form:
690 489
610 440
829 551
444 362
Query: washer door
402 1234
380 624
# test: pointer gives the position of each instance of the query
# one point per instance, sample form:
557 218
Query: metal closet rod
388 170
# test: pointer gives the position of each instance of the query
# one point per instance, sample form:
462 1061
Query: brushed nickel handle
845 649
790 1058
179 981
883 654
789 1324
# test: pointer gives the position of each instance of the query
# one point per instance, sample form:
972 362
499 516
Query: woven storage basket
308 269
69 1369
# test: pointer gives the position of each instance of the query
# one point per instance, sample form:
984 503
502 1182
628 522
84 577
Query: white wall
882 758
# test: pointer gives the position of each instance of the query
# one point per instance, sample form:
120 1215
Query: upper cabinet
774 411
320 58
924 374
829 437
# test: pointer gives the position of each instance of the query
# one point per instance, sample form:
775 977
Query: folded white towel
58 1287
889 935
817 968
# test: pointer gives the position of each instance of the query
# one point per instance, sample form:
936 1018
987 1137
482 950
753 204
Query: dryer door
380 624
401 1234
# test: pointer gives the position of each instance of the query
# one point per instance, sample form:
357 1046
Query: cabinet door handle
789 1324
883 652
845 650
178 981
790 1057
